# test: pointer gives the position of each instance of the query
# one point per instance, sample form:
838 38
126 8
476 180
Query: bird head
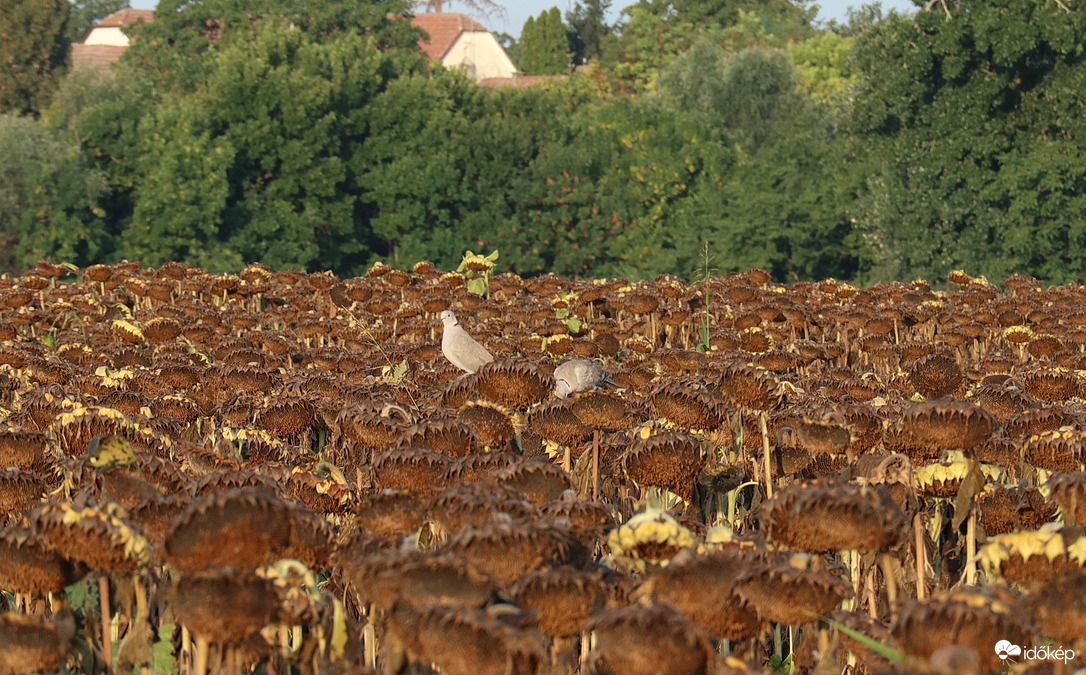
562 388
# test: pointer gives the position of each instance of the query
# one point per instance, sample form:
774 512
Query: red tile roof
98 57
126 16
444 29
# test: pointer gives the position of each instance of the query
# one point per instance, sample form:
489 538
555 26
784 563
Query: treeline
316 136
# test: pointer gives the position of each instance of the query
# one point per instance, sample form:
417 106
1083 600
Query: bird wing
578 375
462 350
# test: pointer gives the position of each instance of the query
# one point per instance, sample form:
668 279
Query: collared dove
460 348
578 375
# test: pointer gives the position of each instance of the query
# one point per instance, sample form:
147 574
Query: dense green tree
824 69
102 117
974 123
620 198
445 164
86 13
722 13
254 164
183 192
588 29
172 49
80 91
48 198
544 45
784 206
483 7
648 42
33 53
747 91
511 46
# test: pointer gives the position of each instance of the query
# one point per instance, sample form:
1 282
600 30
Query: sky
517 12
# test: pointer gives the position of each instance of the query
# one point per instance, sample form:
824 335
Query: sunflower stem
185 657
791 650
202 649
854 576
891 584
107 642
766 455
971 549
595 464
921 557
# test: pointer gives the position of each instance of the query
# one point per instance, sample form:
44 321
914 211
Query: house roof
97 57
444 29
126 16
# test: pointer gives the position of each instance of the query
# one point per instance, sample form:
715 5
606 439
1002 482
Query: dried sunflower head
651 537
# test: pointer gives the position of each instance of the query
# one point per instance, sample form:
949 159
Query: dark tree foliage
48 198
33 53
588 29
722 13
544 45
171 49
486 8
974 123
86 13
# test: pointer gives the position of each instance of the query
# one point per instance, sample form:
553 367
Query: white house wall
107 36
481 55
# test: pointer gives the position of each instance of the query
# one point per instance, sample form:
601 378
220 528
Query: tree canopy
973 124
318 136
34 52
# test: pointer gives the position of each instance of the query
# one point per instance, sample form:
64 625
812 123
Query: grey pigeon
578 375
460 348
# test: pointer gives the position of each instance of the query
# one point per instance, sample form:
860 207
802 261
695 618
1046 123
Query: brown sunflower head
750 387
27 565
516 384
492 424
935 376
702 587
507 550
826 435
497 639
444 436
224 606
949 424
31 644
100 539
966 618
564 598
556 422
537 480
242 529
1057 607
1069 491
668 459
1057 450
410 469
1002 401
823 516
689 405
391 513
787 588
1052 384
676 645
1031 557
1003 509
